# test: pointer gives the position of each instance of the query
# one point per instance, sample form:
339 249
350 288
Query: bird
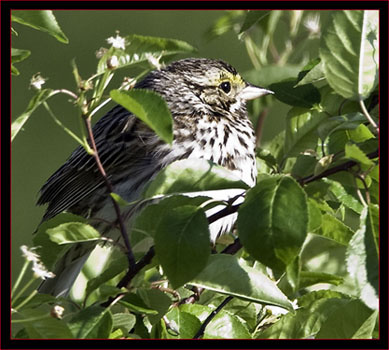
207 100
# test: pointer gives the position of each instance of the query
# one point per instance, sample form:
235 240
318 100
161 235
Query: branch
123 230
335 169
211 316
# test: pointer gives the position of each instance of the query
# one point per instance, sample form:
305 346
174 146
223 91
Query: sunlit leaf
149 107
43 20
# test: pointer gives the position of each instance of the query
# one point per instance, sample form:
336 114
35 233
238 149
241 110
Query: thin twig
259 128
123 230
367 115
212 315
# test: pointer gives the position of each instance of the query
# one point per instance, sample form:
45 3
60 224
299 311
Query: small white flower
312 23
117 42
29 254
113 62
154 61
37 81
41 271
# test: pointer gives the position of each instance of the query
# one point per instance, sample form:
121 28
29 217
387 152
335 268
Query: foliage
305 264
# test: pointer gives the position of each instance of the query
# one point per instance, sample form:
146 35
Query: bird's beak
250 92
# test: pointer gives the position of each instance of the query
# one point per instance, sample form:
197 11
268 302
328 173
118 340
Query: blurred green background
42 146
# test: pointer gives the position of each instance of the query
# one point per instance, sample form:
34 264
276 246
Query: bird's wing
121 148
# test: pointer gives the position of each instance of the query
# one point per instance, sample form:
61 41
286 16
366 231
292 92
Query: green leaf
315 217
272 74
135 303
252 17
301 130
311 73
193 175
347 121
139 48
181 325
149 107
349 51
18 55
117 264
227 274
123 321
92 322
182 243
226 326
73 232
309 278
340 192
306 322
353 152
305 96
40 325
156 300
348 322
43 20
362 257
49 251
35 102
149 218
334 229
276 239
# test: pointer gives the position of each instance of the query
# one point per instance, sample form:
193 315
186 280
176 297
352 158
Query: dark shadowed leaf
252 17
182 243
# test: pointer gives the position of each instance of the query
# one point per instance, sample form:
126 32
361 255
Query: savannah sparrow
207 101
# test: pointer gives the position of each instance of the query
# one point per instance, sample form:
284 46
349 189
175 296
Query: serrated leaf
34 103
91 322
252 17
73 232
227 274
362 257
305 96
341 194
193 175
149 107
352 151
43 20
334 229
276 239
182 243
349 51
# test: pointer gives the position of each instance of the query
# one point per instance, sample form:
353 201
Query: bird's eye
225 86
